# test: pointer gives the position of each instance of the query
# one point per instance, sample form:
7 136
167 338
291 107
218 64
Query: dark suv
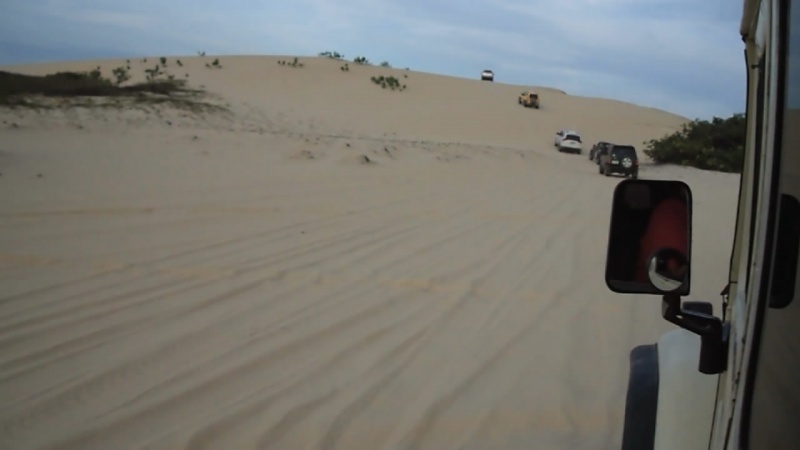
620 159
595 151
602 149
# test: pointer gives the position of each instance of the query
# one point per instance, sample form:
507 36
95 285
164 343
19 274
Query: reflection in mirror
650 218
668 269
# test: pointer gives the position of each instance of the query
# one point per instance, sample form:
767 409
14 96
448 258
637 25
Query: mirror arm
712 330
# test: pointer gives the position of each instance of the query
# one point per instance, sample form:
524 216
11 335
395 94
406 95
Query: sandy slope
248 282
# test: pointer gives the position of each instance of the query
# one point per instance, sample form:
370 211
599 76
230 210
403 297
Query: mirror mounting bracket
713 332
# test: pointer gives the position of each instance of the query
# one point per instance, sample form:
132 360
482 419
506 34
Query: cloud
680 55
135 21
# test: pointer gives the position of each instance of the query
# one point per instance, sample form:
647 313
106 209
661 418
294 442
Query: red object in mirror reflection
668 227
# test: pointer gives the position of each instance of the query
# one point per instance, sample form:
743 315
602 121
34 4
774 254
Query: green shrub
214 64
13 86
716 145
154 73
295 63
121 74
332 55
388 82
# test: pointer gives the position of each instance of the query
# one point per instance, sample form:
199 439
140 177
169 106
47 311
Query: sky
793 63
683 56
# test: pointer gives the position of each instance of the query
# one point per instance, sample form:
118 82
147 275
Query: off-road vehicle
621 159
594 152
560 136
529 99
571 142
726 376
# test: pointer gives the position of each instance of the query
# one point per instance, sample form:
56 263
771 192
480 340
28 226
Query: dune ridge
325 264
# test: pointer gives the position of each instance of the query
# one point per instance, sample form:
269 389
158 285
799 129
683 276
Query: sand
329 265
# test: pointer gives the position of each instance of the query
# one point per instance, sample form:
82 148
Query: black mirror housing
649 243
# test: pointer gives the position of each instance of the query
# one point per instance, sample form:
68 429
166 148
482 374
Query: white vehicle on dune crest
728 379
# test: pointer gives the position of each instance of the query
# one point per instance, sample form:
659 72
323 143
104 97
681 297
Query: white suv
560 135
487 75
570 142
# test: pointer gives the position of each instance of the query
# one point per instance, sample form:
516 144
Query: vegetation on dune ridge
716 145
390 82
294 63
19 90
332 55
84 84
384 82
710 145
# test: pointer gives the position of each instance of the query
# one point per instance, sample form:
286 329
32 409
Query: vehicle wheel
627 163
641 403
635 175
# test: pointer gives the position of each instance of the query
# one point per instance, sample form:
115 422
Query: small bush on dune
214 64
388 82
715 145
121 74
332 55
294 63
154 73
96 73
361 60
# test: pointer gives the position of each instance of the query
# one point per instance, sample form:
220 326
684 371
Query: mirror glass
649 245
667 269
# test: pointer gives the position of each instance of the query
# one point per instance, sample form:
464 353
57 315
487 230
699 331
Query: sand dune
331 265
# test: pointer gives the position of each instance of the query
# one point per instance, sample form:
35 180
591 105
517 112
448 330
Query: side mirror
649 243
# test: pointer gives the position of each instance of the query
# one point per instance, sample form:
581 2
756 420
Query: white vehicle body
571 142
560 135
754 402
487 75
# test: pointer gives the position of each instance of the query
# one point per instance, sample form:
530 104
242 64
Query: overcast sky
684 56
